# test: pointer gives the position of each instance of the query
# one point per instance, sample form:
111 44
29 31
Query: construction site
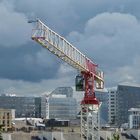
69 70
54 116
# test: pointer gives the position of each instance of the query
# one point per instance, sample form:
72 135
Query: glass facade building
24 106
68 91
64 108
59 104
127 97
38 107
103 98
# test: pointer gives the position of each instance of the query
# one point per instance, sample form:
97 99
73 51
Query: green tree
115 137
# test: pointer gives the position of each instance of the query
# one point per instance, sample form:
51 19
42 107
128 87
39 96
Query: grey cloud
112 40
14 29
67 15
20 59
30 88
127 74
27 63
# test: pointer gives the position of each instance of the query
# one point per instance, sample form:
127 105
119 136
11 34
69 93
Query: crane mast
92 76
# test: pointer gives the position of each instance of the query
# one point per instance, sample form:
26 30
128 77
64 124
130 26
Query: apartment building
6 118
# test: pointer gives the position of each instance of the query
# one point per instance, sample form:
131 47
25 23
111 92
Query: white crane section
59 46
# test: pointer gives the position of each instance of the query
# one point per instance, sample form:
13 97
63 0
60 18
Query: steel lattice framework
60 47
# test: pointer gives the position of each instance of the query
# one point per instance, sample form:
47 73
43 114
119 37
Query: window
8 123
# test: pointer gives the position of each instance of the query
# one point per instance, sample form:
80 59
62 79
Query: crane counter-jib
62 48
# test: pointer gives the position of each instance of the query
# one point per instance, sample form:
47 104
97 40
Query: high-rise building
112 106
127 97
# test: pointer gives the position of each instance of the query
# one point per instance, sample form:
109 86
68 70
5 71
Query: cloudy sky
107 31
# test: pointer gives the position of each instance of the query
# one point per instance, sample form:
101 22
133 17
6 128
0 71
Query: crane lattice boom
65 50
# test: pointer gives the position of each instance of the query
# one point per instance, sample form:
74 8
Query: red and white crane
90 74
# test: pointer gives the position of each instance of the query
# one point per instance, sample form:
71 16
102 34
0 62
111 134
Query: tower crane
90 76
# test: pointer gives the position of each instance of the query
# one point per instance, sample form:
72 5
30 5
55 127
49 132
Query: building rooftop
134 109
129 84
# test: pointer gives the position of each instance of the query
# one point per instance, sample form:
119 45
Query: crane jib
60 47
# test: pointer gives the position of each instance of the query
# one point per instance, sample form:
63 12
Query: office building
24 106
57 105
127 97
62 107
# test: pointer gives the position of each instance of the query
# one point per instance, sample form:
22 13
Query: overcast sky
107 31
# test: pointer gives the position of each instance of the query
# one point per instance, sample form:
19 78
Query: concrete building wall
106 134
6 136
135 133
30 136
134 118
